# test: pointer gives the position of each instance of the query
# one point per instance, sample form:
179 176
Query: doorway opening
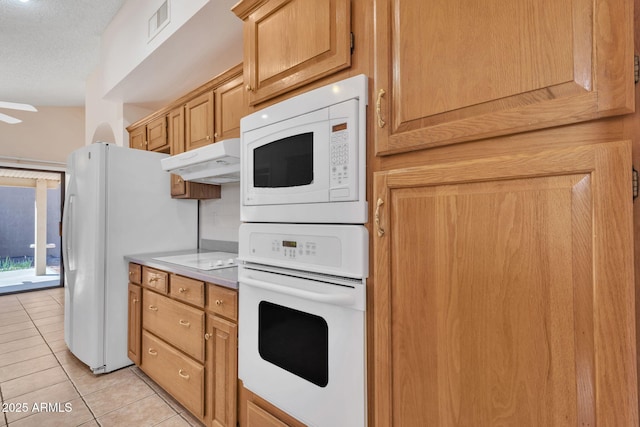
30 239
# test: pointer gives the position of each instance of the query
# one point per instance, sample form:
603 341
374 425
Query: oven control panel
319 250
331 249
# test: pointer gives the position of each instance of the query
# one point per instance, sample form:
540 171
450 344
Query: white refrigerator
117 202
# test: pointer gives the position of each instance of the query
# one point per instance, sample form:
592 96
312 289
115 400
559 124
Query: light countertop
227 277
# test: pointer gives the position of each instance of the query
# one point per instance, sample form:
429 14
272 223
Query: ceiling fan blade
9 119
17 106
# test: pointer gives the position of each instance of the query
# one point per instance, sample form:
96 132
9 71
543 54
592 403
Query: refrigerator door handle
69 264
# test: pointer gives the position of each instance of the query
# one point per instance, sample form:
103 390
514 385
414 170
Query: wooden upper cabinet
138 138
229 108
157 135
504 291
458 70
199 121
176 141
288 43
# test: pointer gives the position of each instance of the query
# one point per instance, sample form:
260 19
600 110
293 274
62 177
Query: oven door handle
335 298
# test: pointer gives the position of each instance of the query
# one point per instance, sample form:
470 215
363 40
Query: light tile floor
42 384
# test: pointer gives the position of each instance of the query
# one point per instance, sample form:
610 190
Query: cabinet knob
135 300
182 290
153 352
248 88
215 135
184 323
153 308
208 137
219 302
207 336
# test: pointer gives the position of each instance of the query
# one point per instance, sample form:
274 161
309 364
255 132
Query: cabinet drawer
135 273
176 373
177 323
222 301
155 279
187 290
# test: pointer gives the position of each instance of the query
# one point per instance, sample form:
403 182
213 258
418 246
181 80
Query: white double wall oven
303 254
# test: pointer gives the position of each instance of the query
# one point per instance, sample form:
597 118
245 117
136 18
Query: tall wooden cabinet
502 288
456 70
504 291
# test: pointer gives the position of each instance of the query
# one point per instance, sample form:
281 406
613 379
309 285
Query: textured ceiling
48 48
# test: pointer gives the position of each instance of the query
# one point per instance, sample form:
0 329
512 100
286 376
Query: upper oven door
287 162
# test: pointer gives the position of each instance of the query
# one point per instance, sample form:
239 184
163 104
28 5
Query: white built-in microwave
303 160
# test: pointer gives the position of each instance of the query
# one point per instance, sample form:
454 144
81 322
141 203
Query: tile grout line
59 364
4 414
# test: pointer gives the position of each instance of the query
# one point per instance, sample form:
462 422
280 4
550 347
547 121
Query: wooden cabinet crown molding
243 8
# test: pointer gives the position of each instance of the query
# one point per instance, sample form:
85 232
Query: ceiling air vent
159 20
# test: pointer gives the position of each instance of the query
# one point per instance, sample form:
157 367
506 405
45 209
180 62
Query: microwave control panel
343 150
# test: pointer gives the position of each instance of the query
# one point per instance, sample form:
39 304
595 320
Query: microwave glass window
295 341
287 162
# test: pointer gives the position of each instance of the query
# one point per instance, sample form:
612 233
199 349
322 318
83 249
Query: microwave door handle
335 298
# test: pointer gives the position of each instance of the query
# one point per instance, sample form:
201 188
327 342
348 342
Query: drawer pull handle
153 308
184 323
154 279
182 290
185 376
153 352
219 302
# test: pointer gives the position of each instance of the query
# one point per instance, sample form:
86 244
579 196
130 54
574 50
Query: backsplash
220 218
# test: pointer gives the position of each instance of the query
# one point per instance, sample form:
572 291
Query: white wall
125 42
47 135
220 219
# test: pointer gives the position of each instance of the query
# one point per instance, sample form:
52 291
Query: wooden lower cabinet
222 348
135 323
188 349
254 411
504 291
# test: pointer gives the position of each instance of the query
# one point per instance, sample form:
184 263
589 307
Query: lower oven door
302 347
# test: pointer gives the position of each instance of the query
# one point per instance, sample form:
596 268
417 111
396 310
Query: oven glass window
295 341
287 162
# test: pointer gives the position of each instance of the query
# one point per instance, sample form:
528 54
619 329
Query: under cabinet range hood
217 163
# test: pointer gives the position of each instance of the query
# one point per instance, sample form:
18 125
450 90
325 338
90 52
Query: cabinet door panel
135 323
289 43
504 292
456 70
230 108
199 121
223 353
157 134
138 138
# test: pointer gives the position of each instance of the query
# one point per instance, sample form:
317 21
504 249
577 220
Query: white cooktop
203 260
